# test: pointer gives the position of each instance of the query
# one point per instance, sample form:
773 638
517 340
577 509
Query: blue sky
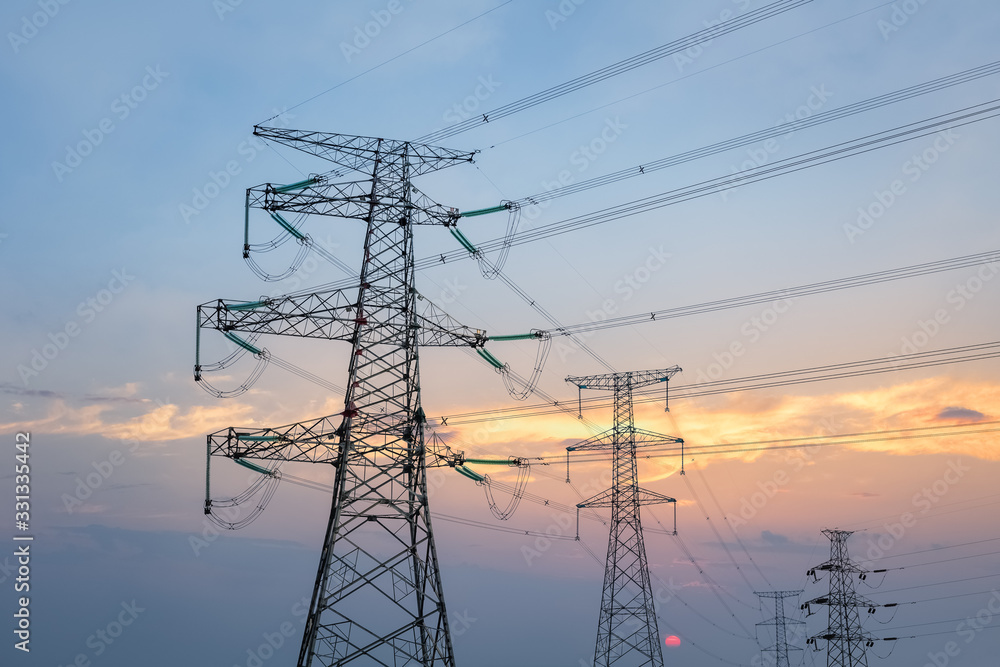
103 262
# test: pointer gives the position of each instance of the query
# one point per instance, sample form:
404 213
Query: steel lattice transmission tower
780 623
847 642
378 597
627 632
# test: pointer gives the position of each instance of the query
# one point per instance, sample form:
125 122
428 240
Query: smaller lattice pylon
781 646
627 633
846 640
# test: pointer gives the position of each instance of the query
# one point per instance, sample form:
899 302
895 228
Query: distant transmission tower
627 632
847 642
780 621
378 597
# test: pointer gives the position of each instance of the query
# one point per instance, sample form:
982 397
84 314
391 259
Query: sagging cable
523 473
520 391
517 493
227 512
491 270
242 347
290 231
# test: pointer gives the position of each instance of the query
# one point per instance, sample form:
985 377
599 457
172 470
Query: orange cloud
160 423
752 417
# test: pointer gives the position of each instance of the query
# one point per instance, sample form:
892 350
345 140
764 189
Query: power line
833 153
861 280
936 562
783 129
620 67
918 360
950 546
789 165
817 441
732 528
395 57
701 71
863 525
941 583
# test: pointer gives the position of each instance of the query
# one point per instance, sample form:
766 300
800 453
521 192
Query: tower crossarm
364 154
330 315
643 497
847 566
319 197
635 379
847 600
606 440
312 441
352 200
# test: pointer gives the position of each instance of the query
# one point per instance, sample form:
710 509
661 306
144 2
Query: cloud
8 388
747 418
162 423
123 394
961 414
773 538
866 494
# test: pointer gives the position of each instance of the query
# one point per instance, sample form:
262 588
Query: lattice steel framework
627 632
780 622
378 597
847 641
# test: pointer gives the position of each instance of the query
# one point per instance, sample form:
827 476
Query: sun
672 640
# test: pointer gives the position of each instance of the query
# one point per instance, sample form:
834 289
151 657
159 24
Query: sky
128 154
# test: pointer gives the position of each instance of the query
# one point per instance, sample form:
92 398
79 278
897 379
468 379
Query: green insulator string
301 185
